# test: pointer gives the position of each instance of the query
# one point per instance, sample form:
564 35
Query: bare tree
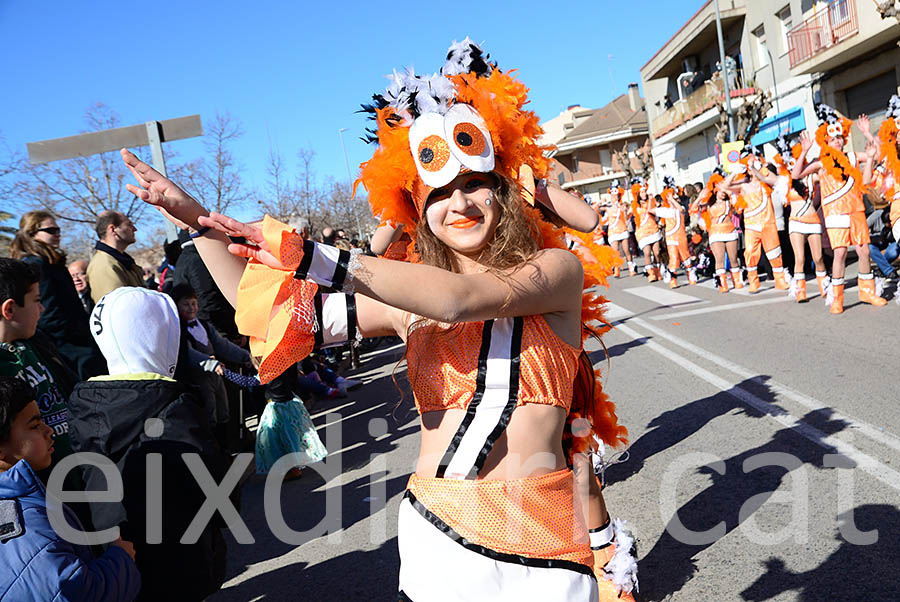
640 164
748 117
216 179
77 190
278 199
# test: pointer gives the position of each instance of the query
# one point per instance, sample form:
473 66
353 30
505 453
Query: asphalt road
764 461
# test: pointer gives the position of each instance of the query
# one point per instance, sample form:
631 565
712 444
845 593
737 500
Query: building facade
802 52
587 155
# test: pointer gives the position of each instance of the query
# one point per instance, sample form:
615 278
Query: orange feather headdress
887 134
429 129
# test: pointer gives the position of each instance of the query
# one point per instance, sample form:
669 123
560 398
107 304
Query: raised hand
258 248
806 142
173 202
863 124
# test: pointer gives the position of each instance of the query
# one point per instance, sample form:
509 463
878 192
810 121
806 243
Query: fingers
138 192
222 223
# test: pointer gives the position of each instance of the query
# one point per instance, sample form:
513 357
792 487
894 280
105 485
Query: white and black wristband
326 265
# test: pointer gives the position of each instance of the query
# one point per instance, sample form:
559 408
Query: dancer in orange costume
845 215
717 211
646 230
886 178
505 307
672 214
804 226
760 231
617 226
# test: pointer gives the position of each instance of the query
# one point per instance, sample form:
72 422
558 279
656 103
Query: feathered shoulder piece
430 128
787 155
887 135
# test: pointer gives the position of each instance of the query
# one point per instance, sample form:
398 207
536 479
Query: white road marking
616 312
810 403
728 307
663 296
867 463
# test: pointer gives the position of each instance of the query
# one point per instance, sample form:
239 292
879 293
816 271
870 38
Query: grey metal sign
93 143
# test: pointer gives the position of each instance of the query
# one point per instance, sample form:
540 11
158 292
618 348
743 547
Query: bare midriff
530 446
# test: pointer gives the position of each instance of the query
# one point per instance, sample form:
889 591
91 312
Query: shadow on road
358 575
672 427
852 572
304 502
736 493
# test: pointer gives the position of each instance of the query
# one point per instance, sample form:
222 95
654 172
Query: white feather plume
622 567
459 57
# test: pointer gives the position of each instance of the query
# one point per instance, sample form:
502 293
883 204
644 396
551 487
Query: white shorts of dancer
649 240
617 236
729 237
437 566
803 227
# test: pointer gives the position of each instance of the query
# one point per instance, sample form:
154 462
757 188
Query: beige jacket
106 273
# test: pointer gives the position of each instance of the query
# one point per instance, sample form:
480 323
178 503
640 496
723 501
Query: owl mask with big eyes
470 117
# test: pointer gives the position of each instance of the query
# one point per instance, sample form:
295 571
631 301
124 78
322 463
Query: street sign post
151 133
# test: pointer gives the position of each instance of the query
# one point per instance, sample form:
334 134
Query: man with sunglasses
111 267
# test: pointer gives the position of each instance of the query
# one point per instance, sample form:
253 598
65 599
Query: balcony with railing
830 25
702 99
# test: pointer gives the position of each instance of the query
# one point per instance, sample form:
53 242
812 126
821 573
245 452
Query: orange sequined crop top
449 365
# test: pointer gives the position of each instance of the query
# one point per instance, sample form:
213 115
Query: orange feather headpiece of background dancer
834 161
887 135
787 155
429 129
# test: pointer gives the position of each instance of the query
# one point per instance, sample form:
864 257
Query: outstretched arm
868 169
182 210
551 282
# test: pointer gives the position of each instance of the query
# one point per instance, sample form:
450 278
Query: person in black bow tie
206 352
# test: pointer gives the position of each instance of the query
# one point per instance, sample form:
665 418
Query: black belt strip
541 563
340 270
319 333
351 318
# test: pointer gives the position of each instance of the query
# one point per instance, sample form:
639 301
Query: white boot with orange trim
631 270
753 278
722 279
867 294
835 296
824 283
781 282
692 275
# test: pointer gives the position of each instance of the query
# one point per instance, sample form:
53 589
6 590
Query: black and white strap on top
492 405
335 319
324 264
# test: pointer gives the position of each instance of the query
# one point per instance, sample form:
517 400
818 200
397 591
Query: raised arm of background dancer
801 167
769 179
865 127
868 168
729 186
577 214
184 211
549 283
383 237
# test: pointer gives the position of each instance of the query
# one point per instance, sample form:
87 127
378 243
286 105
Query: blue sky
294 73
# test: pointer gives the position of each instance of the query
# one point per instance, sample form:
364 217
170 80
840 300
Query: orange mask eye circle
469 138
433 153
